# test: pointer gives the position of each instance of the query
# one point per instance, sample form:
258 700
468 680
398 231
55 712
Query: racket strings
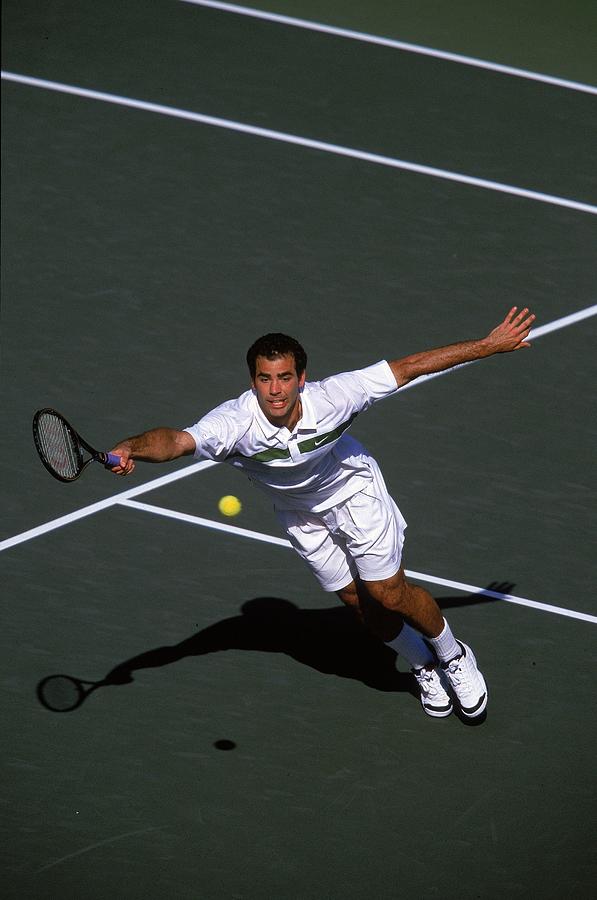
58 445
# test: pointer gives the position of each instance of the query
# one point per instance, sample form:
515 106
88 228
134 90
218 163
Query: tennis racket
62 450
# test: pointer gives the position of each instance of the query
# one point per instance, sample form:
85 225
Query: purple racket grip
112 459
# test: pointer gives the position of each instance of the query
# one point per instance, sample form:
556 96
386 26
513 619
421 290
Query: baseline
298 140
394 44
418 576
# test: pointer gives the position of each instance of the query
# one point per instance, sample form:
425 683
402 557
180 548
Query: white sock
445 645
412 647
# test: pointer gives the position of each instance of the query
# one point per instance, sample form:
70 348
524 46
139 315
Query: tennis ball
229 505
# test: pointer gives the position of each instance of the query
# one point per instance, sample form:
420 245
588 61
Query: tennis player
290 437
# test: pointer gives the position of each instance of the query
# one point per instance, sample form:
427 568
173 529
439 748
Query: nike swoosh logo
310 444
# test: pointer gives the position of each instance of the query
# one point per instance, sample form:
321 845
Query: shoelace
427 679
459 678
454 667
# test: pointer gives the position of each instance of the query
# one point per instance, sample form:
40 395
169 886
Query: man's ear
302 380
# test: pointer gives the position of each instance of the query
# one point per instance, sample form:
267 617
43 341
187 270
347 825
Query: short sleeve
362 387
217 433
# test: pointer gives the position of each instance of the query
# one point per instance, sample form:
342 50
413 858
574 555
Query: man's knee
349 595
392 593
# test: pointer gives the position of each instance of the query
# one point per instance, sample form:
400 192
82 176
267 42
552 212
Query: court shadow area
330 640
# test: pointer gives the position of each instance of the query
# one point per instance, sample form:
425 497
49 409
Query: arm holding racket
157 445
511 334
66 455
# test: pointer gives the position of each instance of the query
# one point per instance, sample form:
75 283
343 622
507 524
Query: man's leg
412 603
457 660
418 608
391 628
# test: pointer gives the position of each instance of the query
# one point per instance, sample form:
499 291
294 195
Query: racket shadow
330 641
64 693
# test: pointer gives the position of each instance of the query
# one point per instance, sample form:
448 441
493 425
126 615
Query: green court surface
242 737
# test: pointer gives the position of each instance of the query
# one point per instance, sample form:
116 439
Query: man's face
277 386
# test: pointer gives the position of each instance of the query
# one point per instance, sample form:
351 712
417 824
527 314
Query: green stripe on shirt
321 440
306 446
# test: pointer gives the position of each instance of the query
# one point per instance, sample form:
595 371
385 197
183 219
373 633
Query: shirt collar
307 422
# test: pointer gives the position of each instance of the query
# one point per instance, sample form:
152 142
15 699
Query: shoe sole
437 714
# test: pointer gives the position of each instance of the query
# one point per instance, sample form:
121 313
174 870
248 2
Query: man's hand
127 464
511 334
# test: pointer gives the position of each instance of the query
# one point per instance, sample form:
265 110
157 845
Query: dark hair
274 345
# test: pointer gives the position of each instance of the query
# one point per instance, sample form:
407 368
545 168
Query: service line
417 576
394 44
300 141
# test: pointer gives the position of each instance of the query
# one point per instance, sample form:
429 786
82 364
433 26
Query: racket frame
106 459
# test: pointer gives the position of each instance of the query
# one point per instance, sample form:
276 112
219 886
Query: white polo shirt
316 465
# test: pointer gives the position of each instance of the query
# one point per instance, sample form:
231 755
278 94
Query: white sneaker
434 698
467 682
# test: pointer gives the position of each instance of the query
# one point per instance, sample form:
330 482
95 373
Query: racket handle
111 460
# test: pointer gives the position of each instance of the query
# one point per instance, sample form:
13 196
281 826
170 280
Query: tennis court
180 178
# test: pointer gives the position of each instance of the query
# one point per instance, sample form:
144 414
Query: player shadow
331 641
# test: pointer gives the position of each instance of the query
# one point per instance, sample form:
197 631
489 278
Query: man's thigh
320 547
360 538
373 528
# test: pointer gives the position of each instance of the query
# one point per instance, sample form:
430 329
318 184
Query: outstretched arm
509 335
157 445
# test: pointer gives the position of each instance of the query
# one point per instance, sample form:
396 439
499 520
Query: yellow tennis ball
229 505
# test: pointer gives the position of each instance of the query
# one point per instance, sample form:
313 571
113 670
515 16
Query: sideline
300 141
395 44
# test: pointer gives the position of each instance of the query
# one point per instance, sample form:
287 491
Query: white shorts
362 537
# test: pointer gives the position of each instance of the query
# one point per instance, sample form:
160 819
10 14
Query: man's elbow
400 372
183 444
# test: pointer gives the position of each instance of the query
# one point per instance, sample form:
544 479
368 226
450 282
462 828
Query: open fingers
521 320
511 334
516 316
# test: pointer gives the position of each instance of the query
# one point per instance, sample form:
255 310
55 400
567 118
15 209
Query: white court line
418 576
105 504
395 44
205 523
533 335
205 464
563 322
300 141
509 598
